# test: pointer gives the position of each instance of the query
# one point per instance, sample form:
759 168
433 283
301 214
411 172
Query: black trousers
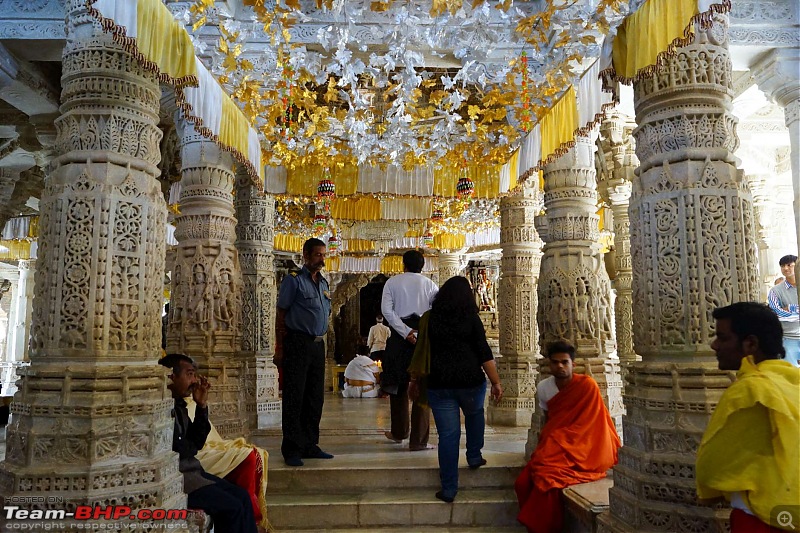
227 504
303 394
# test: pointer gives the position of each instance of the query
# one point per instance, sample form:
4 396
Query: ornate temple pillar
27 269
91 421
11 274
519 334
206 298
449 266
616 190
776 75
574 289
693 249
255 231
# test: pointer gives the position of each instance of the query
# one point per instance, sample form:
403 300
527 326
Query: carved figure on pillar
91 421
619 161
693 249
519 269
573 284
206 287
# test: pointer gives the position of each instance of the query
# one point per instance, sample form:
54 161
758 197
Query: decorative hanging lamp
326 190
465 187
320 224
437 215
427 240
333 245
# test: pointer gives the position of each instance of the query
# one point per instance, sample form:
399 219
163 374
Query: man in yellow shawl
750 453
239 462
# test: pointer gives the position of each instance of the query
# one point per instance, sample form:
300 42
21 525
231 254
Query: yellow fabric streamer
485 177
288 243
163 41
750 444
360 245
233 128
447 241
15 249
558 127
392 264
650 32
33 229
513 170
333 263
303 181
364 208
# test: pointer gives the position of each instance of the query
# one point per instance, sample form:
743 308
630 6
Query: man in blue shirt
782 300
304 304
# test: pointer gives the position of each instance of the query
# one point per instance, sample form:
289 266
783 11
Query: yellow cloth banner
447 241
650 32
233 127
513 169
485 177
162 40
365 208
288 243
332 263
303 181
360 245
750 444
559 125
15 249
392 264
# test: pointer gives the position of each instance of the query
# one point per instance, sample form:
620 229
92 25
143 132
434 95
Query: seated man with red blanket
578 442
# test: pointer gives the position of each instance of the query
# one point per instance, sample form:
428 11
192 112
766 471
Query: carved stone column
776 75
27 269
693 249
574 289
449 266
11 275
206 300
519 334
91 421
255 231
618 144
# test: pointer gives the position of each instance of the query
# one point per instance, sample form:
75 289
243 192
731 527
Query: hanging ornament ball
333 244
427 240
437 215
326 189
320 223
465 187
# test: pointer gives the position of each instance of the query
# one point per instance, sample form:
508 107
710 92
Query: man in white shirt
376 340
782 300
405 298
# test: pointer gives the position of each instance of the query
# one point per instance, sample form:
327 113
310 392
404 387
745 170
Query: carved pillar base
668 408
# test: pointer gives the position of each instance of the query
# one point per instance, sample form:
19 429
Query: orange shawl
579 442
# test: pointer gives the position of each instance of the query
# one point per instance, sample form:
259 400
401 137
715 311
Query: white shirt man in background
405 298
376 340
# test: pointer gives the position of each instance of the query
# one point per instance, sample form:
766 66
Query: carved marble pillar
91 421
618 145
776 75
771 217
449 266
11 275
206 299
519 334
27 268
693 249
574 289
255 231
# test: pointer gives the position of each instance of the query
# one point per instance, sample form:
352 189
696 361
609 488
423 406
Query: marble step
331 476
374 510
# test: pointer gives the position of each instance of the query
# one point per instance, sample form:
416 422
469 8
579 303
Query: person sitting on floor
361 378
577 444
239 462
228 505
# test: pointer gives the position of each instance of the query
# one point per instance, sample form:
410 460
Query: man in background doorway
376 340
405 299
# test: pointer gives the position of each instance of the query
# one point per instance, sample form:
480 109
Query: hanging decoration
525 96
427 240
465 186
333 245
320 224
437 216
326 191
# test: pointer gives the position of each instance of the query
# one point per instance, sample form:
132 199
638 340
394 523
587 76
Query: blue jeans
792 347
445 404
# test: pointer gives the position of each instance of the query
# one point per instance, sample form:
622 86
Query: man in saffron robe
578 442
749 454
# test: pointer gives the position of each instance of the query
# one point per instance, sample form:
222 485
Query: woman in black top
451 361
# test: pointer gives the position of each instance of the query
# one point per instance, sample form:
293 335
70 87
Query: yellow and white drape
148 30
